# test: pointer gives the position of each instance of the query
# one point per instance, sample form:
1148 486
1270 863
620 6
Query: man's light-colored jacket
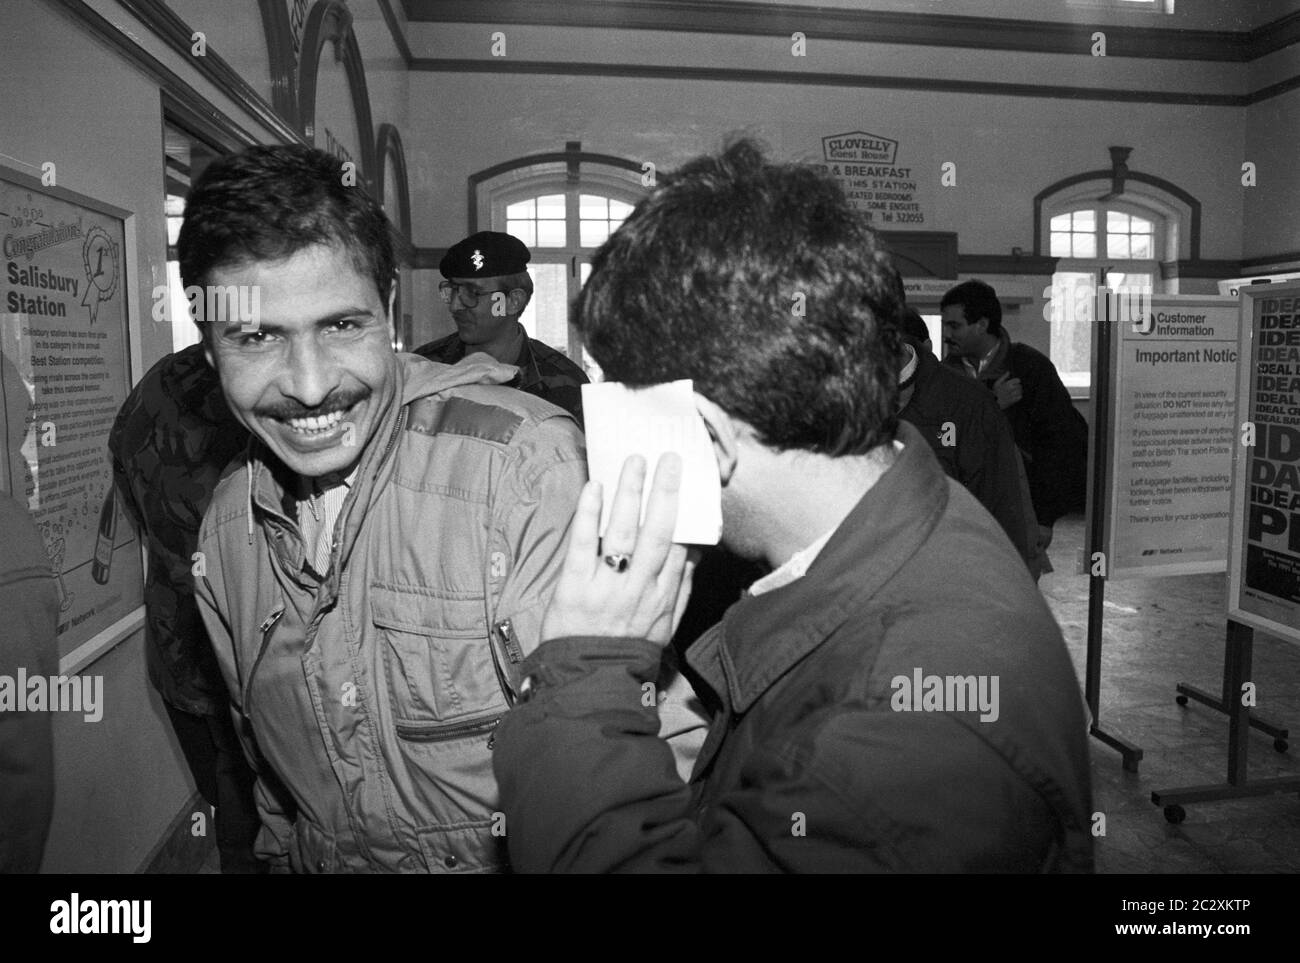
368 701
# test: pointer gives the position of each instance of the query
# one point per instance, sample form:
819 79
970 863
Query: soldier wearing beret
487 287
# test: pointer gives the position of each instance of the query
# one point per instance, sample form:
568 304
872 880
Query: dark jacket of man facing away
30 603
896 694
973 443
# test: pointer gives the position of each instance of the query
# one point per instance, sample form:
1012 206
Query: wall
1006 148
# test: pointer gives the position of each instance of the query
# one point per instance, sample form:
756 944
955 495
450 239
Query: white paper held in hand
623 421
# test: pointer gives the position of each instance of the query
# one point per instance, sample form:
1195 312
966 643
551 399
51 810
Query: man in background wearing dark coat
1049 431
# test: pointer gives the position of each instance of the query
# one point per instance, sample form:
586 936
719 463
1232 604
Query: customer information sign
1173 363
1264 555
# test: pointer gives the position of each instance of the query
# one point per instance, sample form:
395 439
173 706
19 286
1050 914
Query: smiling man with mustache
373 570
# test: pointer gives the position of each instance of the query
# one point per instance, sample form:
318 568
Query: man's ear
983 325
516 301
724 432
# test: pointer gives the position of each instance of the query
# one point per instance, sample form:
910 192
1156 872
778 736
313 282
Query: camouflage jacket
169 444
543 371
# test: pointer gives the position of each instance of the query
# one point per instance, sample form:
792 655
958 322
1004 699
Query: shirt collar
794 568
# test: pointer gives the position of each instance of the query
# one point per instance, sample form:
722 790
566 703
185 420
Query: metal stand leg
1240 648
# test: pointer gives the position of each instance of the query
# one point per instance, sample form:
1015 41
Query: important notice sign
63 369
883 178
1264 559
1173 382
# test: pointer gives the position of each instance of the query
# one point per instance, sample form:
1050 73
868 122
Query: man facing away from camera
895 695
377 562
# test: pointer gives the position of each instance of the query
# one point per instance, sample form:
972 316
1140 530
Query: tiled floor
1159 632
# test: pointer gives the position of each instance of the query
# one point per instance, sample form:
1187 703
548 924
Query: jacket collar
529 374
998 360
762 637
271 486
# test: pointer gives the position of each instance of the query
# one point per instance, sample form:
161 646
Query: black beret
487 254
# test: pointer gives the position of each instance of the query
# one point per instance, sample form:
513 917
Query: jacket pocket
474 846
437 661
313 849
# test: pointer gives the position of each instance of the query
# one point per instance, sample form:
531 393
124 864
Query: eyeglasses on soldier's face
469 294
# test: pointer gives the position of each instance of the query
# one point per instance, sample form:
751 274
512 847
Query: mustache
336 401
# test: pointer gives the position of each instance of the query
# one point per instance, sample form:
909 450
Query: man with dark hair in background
762 285
378 561
486 287
169 444
1049 431
967 434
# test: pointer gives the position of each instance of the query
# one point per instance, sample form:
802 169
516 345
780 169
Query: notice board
1264 548
64 375
1172 393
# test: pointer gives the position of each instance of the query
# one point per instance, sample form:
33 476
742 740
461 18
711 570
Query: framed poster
1171 401
64 372
1264 548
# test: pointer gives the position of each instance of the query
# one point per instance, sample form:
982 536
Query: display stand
1100 456
1237 670
1224 702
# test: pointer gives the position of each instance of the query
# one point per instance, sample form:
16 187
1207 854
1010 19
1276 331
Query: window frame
619 182
1166 235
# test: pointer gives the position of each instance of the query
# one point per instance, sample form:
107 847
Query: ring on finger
618 561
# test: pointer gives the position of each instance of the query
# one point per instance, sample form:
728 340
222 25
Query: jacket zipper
266 628
420 733
503 679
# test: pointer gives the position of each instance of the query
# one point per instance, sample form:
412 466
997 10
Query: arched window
1122 239
563 206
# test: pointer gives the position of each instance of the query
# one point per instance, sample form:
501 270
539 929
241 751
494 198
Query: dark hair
912 324
762 285
269 202
978 300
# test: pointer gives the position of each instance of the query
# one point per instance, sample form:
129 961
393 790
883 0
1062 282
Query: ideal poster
1264 561
1173 390
64 375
